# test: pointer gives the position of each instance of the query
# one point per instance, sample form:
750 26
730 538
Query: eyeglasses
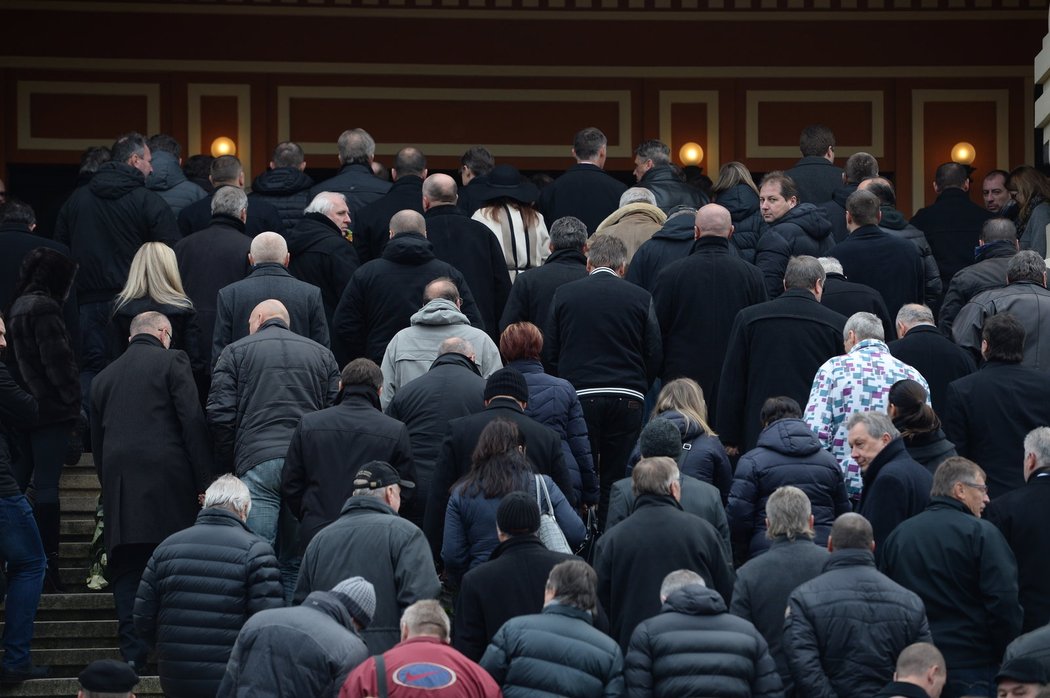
980 488
165 331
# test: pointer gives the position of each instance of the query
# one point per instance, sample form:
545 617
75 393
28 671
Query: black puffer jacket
742 202
703 455
694 647
893 222
323 257
669 190
287 189
844 630
198 589
40 341
670 243
802 230
788 453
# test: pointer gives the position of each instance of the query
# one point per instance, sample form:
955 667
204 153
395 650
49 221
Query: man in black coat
815 174
269 259
1024 519
584 190
988 414
846 298
775 348
453 387
962 569
652 169
355 179
873 257
321 254
469 246
844 629
474 168
285 186
329 446
697 299
153 455
952 224
226 171
895 486
383 294
672 242
997 247
372 225
859 167
511 583
923 347
603 337
203 583
533 290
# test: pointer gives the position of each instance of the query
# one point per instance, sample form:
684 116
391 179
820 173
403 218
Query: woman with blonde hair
735 189
507 209
682 403
1031 191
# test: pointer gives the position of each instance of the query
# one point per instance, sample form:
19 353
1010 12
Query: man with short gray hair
584 190
227 171
859 166
846 297
1026 297
858 381
355 180
652 170
997 245
923 347
199 588
285 186
1024 519
635 221
896 487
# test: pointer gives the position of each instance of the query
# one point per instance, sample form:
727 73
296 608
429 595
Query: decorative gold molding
243 93
27 88
622 98
668 98
874 97
919 99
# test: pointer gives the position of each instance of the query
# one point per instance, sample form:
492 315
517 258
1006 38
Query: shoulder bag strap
546 495
381 676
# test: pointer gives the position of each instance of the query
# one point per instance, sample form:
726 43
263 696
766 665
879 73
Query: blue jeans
21 549
975 681
272 522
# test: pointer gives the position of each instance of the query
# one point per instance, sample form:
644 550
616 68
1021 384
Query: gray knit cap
660 437
359 597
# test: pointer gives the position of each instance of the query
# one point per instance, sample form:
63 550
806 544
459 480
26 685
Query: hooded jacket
634 224
170 184
802 230
670 243
355 182
322 257
742 203
788 453
703 456
287 189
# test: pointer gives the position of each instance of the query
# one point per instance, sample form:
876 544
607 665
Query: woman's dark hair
914 416
776 408
498 465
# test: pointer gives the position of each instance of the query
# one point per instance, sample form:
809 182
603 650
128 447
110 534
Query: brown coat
633 224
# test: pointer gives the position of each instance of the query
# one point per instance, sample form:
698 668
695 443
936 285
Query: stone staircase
78 627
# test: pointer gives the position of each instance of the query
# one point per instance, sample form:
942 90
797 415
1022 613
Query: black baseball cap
377 474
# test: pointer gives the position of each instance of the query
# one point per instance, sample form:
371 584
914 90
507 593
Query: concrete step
70 662
76 527
79 479
149 687
84 606
83 505
58 634
73 578
74 551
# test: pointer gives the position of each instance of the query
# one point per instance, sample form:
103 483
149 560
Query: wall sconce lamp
223 146
963 153
691 154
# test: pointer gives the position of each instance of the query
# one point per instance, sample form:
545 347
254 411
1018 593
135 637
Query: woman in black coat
47 366
919 425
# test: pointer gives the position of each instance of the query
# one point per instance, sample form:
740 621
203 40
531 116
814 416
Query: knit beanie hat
660 437
518 513
509 382
359 597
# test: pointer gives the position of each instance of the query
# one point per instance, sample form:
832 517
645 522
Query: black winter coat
357 183
742 203
371 225
788 453
802 230
632 559
694 647
893 222
1024 519
952 225
929 449
844 630
470 247
669 244
886 263
989 271
696 301
962 569
988 414
937 358
835 211
816 179
896 488
185 330
327 449
287 189
703 457
846 298
200 586
383 294
533 290
105 222
669 190
542 446
262 217
775 348
16 241
509 585
583 191
149 437
321 256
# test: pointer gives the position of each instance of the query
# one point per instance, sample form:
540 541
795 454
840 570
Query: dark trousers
96 346
126 565
20 548
613 425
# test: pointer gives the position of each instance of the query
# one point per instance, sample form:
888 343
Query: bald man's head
713 220
438 190
267 310
269 248
407 221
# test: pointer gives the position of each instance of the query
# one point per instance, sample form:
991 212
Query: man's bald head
408 221
269 248
441 288
457 345
713 220
267 310
438 190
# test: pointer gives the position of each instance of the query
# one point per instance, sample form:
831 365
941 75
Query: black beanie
518 513
509 382
660 437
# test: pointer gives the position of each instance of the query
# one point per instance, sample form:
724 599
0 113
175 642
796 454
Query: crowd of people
387 434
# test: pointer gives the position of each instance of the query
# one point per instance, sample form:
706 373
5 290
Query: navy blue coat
802 230
742 203
703 455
